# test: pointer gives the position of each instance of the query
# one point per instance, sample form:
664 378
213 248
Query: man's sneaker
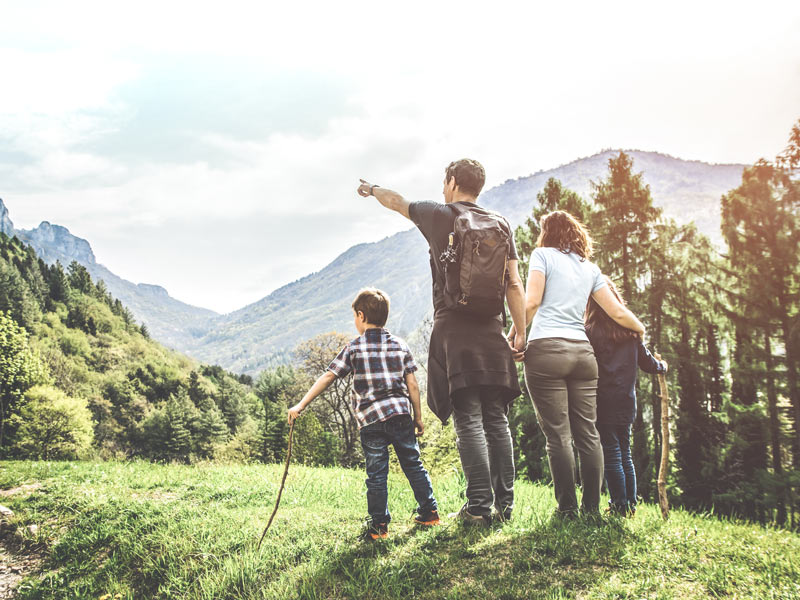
374 531
427 518
468 518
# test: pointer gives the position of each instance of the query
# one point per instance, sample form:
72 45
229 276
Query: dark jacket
617 366
465 351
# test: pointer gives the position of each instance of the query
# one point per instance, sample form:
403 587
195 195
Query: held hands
516 341
294 412
418 426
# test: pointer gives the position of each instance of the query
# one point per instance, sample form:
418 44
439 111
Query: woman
560 366
620 354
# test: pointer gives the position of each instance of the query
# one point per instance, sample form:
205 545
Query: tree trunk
774 430
2 422
663 502
794 398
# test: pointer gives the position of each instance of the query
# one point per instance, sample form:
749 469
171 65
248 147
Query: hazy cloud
215 150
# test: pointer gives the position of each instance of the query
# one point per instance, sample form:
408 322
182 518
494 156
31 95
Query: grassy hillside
149 531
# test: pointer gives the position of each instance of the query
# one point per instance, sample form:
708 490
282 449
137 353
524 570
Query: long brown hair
604 327
563 231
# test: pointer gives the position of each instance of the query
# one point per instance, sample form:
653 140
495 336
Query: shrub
52 425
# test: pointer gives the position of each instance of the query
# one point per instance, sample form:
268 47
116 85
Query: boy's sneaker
374 531
428 518
468 518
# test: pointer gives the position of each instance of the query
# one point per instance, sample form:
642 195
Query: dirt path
15 561
13 567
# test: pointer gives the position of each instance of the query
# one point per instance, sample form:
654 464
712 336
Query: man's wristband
371 188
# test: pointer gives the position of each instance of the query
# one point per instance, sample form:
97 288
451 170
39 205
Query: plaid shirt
379 363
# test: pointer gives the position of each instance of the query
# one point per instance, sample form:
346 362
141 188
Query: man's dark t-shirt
466 351
435 221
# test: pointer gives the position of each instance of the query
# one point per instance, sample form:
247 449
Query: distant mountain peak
155 290
6 226
60 243
170 321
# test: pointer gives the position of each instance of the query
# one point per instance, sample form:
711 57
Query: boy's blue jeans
375 440
619 472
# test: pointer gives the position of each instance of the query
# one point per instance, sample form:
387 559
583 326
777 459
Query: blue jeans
619 472
375 440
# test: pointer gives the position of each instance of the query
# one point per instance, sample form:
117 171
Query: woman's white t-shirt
569 281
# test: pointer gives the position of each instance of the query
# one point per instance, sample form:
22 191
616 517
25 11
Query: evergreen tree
761 225
275 389
622 226
180 418
57 281
211 428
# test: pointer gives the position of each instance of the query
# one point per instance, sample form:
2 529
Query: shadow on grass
544 558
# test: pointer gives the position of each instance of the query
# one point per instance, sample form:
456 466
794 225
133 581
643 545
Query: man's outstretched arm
391 200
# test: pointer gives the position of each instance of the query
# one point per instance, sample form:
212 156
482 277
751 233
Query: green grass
150 531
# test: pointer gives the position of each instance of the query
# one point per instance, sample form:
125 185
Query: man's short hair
374 304
469 175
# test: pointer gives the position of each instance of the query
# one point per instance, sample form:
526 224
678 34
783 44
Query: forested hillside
79 377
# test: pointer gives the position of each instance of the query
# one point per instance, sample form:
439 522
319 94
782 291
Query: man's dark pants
376 438
485 447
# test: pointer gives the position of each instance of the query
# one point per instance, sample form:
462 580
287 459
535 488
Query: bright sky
215 149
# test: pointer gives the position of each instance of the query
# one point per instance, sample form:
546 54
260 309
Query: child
619 352
383 382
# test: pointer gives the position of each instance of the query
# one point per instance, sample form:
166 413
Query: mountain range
263 333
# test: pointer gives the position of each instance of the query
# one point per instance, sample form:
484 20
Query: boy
383 383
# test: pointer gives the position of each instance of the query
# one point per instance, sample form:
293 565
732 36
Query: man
471 371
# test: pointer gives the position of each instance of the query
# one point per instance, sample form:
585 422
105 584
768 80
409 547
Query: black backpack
476 262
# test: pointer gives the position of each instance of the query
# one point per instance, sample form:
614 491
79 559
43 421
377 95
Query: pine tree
761 225
211 428
178 434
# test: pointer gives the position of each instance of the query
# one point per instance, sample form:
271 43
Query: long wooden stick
283 483
662 471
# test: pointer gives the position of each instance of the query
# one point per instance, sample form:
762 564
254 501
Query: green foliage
724 323
20 369
51 425
144 400
313 445
333 407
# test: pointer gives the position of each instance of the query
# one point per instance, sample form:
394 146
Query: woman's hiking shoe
468 518
429 518
374 531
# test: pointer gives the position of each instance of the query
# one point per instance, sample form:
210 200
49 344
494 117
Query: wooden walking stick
662 470
283 483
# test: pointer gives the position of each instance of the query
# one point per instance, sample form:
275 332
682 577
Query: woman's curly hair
563 231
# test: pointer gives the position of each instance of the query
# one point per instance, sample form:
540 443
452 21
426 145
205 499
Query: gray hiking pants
561 376
484 445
